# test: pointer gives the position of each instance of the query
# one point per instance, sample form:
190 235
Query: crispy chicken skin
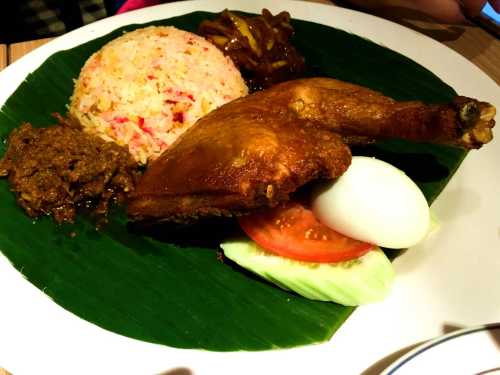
354 111
255 151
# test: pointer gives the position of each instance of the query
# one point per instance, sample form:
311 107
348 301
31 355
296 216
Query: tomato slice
292 231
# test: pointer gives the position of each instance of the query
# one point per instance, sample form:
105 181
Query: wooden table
470 40
3 56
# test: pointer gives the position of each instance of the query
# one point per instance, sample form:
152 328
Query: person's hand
452 11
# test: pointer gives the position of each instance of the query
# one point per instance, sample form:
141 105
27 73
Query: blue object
489 12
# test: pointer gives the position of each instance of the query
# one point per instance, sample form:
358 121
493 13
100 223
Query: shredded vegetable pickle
260 46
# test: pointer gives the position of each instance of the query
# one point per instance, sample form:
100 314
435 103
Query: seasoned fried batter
255 151
354 111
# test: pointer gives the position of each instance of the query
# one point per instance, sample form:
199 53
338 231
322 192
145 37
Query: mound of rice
148 86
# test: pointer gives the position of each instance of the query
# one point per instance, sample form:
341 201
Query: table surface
470 40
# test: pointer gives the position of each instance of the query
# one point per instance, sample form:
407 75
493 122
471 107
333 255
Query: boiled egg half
374 202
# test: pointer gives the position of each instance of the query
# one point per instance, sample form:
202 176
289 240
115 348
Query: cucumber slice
351 283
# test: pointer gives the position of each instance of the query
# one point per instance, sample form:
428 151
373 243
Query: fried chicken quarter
256 151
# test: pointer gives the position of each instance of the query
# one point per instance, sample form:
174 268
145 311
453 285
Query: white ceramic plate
472 351
451 278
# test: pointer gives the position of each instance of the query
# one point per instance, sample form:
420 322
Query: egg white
374 202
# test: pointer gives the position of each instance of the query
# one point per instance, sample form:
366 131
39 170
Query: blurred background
31 19
34 19
459 24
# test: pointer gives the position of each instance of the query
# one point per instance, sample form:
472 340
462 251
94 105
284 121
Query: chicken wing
255 151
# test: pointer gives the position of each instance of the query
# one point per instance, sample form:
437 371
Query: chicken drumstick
255 151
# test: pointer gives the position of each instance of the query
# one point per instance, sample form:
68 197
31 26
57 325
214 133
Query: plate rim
406 358
32 60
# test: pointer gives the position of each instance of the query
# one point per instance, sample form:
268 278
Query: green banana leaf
185 297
